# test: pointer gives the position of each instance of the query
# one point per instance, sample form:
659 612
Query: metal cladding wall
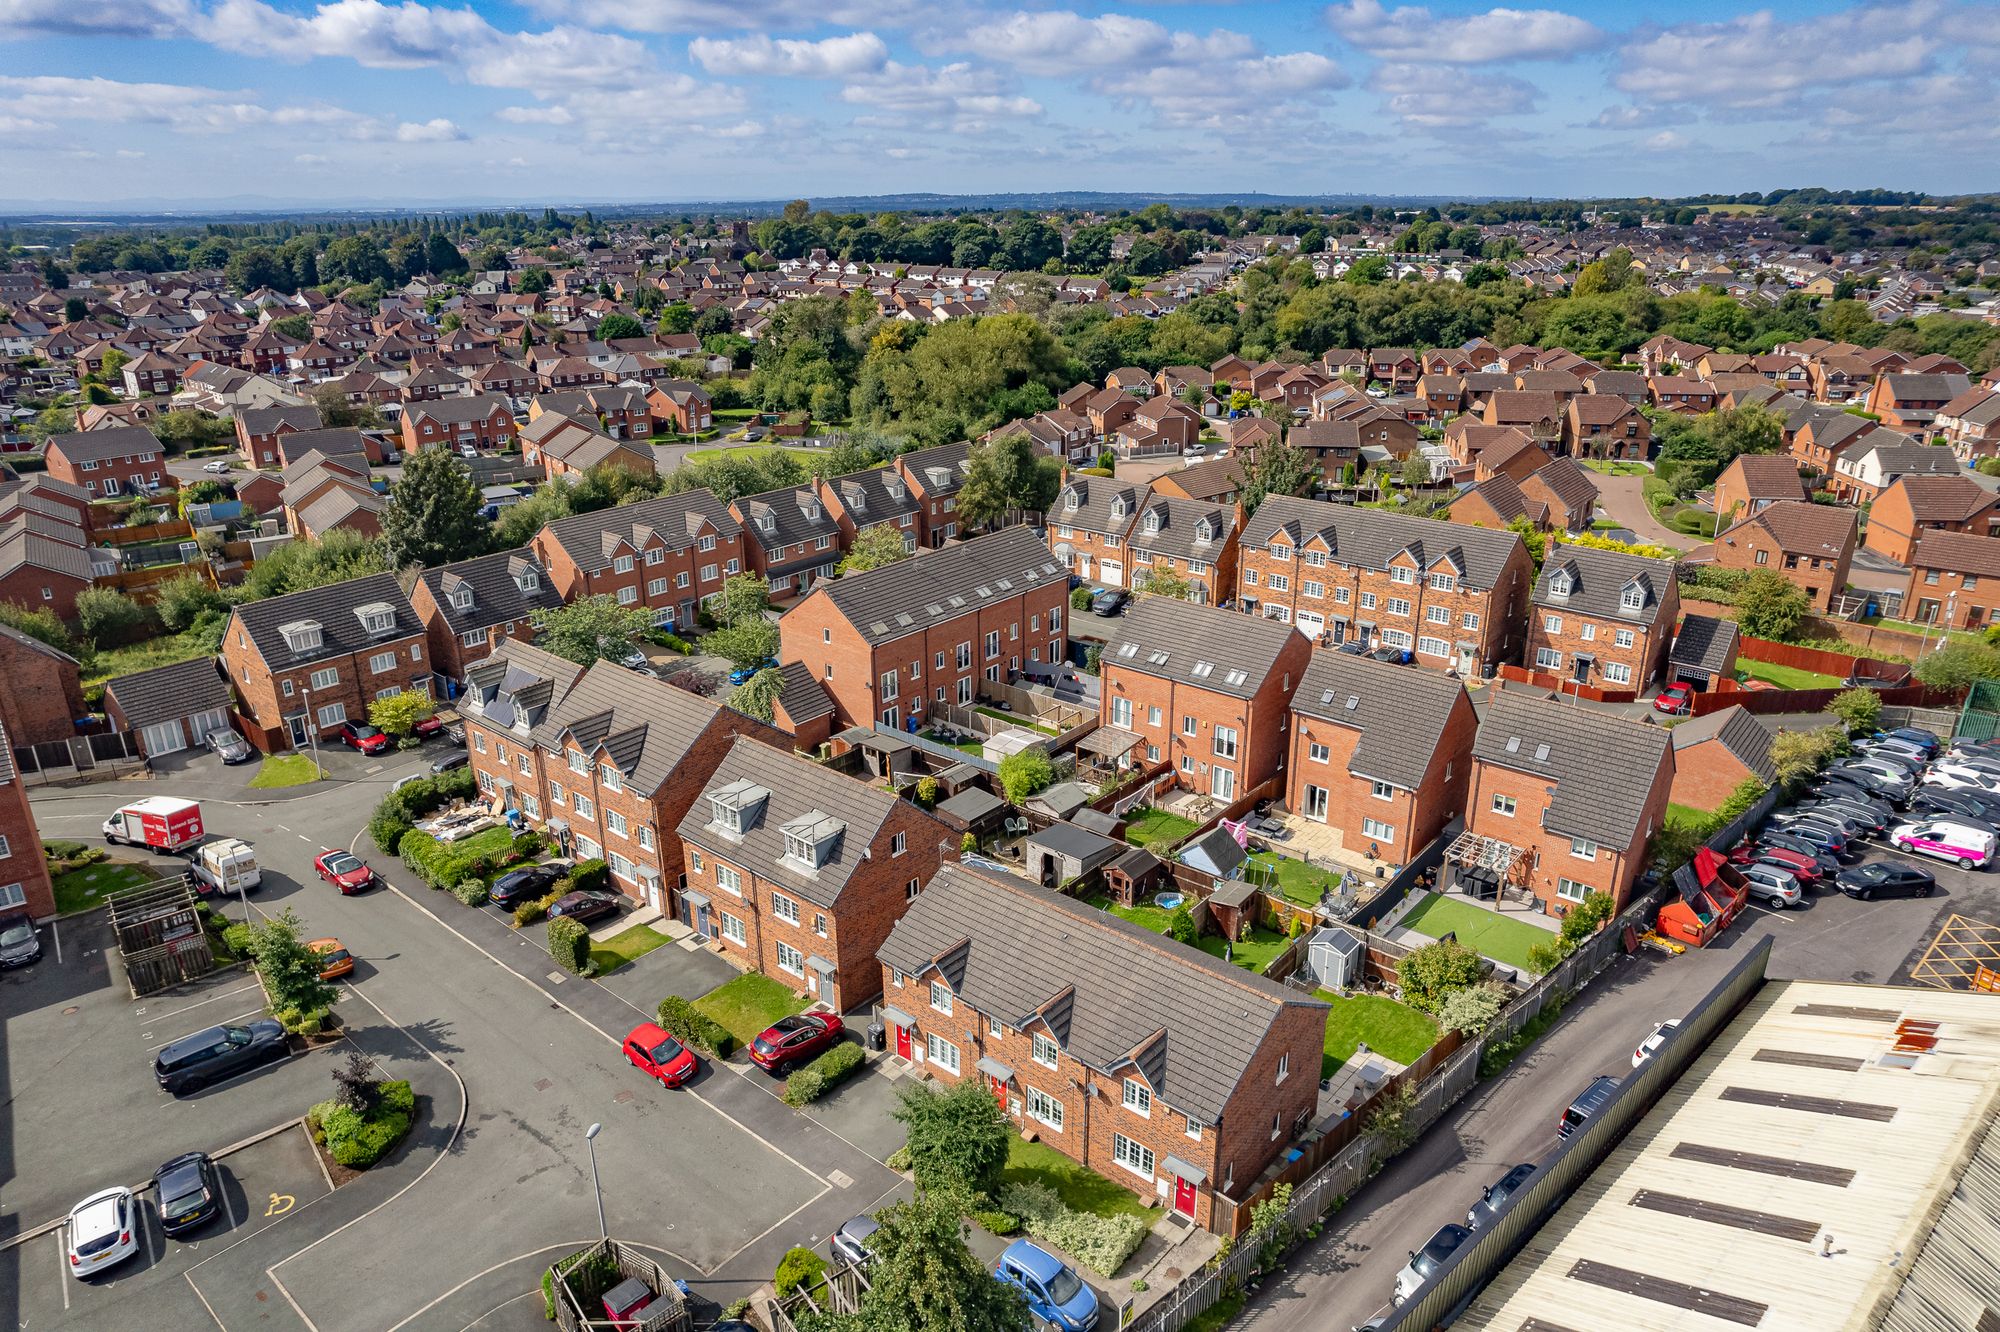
1468 1270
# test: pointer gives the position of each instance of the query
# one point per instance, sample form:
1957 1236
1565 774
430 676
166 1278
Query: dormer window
895 486
812 512
767 522
302 635
527 582
1204 531
461 598
734 807
1118 509
377 617
809 839
1070 501
1634 597
1152 523
1561 584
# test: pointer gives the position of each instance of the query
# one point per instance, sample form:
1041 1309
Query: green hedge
569 945
358 1141
799 1267
1101 1243
590 876
398 811
472 892
823 1074
695 1028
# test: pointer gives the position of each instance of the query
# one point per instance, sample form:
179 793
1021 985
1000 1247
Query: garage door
215 719
165 738
1111 573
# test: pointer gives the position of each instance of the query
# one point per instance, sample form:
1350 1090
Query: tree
1280 469
1587 917
182 598
751 643
615 326
289 967
399 713
1958 664
677 317
1160 581
299 565
356 1084
956 1139
1025 772
923 1278
1007 474
433 515
1416 471
1797 755
1429 974
44 624
531 281
1860 708
1469 1010
1770 607
745 597
758 696
874 547
107 616
588 630
75 310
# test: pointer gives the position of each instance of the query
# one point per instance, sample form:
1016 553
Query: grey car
850 1243
229 746
20 941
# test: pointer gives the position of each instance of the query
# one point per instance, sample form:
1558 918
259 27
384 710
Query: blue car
1056 1295
742 673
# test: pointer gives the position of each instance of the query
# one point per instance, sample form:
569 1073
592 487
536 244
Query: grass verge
82 889
281 770
625 946
748 1004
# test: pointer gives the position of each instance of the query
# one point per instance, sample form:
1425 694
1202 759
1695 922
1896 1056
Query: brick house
1189 540
1601 425
1564 488
124 460
1574 795
1452 594
934 477
1911 403
801 872
790 538
1177 1075
1970 424
43 563
1517 457
620 410
1380 752
668 554
887 643
24 868
680 405
1954 581
1714 755
1496 502
1204 689
1863 471
470 608
1677 393
1539 416
1810 545
44 693
803 708
877 497
357 450
1753 481
1818 436
303 663
483 421
1914 505
1088 526
172 708
569 446
258 429
1603 617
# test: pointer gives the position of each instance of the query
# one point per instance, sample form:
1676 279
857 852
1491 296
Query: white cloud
536 115
829 58
1413 33
956 96
1429 99
1666 141
310 160
23 125
1624 116
94 18
438 130
1758 61
1059 42
702 16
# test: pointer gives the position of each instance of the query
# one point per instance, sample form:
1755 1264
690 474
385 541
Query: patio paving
1324 845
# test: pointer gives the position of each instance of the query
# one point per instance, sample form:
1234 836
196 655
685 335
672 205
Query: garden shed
1062 852
1334 957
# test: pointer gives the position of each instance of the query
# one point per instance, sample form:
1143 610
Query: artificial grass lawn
1151 918
1485 932
1150 824
625 946
748 1004
1785 677
1298 881
1013 719
1252 954
1080 1188
286 770
1395 1031
82 889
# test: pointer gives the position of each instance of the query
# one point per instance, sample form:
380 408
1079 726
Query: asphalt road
1619 499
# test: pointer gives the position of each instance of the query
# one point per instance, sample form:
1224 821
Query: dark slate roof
1171 526
940 585
643 726
1569 482
1400 713
516 684
778 518
1506 499
592 539
1598 579
340 443
1110 993
801 694
1224 652
1371 538
971 805
1103 505
874 496
334 608
263 420
940 470
494 583
1739 732
1705 642
1910 459
1602 766
459 411
111 442
168 693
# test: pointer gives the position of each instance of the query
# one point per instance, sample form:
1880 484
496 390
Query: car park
1494 1197
792 1040
209 1056
334 959
1654 1040
585 905
1824 837
1675 700
1109 602
1969 806
1885 878
1890 747
652 1048
1954 774
1806 867
187 1192
1913 735
1587 1103
522 885
228 746
1970 847
345 871
1423 1262
362 737
1056 1294
102 1231
1776 888
850 1243
1777 837
20 940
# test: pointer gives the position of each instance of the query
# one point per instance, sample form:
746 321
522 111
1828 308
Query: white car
219 467
103 1231
1651 1045
1956 776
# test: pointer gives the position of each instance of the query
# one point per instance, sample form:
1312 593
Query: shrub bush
569 945
472 892
898 1160
1001 1224
799 1267
590 876
695 1027
529 913
388 826
823 1074
1079 599
237 939
358 1141
1101 1243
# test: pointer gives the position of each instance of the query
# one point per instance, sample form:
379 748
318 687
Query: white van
226 865
1946 839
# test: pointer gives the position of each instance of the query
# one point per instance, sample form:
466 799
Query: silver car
1777 888
850 1243
229 747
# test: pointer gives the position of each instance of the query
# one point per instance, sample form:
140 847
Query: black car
1963 805
1792 842
1838 786
1822 837
522 885
20 941
1109 602
1353 647
1493 1198
188 1192
450 761
193 1062
1883 878
1587 1103
1395 656
587 906
1862 813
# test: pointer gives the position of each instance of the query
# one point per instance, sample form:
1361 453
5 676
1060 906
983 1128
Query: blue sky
578 100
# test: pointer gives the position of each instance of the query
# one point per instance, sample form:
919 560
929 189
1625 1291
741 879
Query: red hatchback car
1802 865
345 871
651 1048
362 736
794 1039
1674 700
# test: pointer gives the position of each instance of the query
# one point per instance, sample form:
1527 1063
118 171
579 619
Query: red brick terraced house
258 429
888 643
1954 581
483 422
792 540
1381 752
878 497
800 872
1570 797
473 606
1911 403
1913 506
668 554
1452 594
1753 482
1600 425
123 460
1088 526
1602 617
1188 540
303 663
44 693
24 868
1809 545
1970 424
1170 1072
1204 689
934 477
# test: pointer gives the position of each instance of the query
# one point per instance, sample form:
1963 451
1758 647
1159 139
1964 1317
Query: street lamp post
590 1141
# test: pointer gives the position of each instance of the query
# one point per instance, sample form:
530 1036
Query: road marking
62 1269
532 1253
55 932
259 1011
211 999
280 1204
824 1190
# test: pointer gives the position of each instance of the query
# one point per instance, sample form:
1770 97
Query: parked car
102 1231
850 1243
742 674
1654 1040
187 1191
334 960
1395 656
1675 700
1777 837
1970 847
586 905
1842 786
428 728
1914 735
1879 775
1824 837
1777 888
1893 747
1587 1103
1056 1294
1973 806
219 467
1494 1197
446 763
522 885
1437 1249
1806 867
652 1048
1861 812
228 746
795 1039
1960 774
1109 602
1886 878
1803 816
345 871
209 1056
20 941
633 659
361 736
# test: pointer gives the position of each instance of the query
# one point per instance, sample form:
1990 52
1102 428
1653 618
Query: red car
428 727
362 736
653 1049
345 871
1802 865
1675 699
794 1039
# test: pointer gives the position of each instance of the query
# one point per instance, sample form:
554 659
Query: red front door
999 1089
1184 1197
903 1042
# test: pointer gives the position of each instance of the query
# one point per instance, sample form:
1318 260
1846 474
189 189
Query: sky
574 101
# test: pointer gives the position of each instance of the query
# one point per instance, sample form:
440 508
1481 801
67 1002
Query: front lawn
1487 933
1395 1031
1253 953
1145 917
1149 825
748 1004
82 889
1785 677
1688 817
280 770
1080 1188
625 946
1296 880
1617 467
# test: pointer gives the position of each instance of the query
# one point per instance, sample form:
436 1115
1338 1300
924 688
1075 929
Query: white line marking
532 1253
711 1271
62 1268
160 1017
55 932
